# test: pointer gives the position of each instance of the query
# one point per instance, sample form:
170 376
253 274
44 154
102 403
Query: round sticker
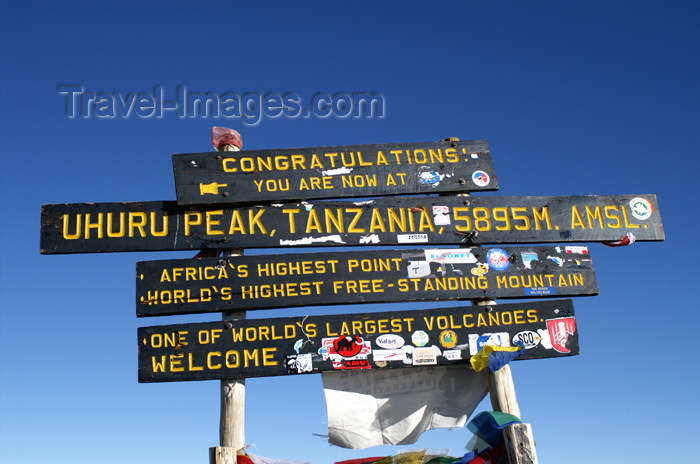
641 208
420 338
389 341
480 178
448 338
498 259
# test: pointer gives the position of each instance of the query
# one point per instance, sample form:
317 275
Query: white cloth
264 460
395 406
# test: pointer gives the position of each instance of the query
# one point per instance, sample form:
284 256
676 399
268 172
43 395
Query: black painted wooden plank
313 344
185 286
263 176
434 220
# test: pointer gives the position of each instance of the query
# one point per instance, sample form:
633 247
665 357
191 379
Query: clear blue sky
596 97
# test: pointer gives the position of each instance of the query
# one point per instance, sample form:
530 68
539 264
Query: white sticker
418 269
337 171
528 338
450 256
388 355
412 238
641 208
424 356
476 341
310 240
441 215
374 238
300 363
579 250
452 355
389 341
481 178
420 338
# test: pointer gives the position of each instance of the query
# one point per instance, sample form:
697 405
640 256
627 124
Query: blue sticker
498 259
528 258
536 291
430 178
481 341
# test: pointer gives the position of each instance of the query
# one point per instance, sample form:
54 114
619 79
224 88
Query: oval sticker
528 338
389 341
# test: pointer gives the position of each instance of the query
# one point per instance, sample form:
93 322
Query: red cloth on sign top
221 136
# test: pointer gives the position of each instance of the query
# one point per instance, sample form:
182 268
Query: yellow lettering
211 222
192 218
136 224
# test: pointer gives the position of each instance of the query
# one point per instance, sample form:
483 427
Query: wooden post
232 421
231 429
520 445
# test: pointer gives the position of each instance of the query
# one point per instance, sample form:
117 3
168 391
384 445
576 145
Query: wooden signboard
183 286
312 344
260 176
156 226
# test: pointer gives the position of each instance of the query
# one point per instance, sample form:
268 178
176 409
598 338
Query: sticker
477 342
448 338
380 363
389 341
528 338
450 256
430 178
452 355
480 178
418 269
298 364
347 346
323 351
337 171
298 344
441 215
408 354
474 155
347 352
580 250
498 259
480 270
352 364
388 355
641 208
412 238
539 291
557 260
559 332
544 339
528 258
374 238
420 338
424 356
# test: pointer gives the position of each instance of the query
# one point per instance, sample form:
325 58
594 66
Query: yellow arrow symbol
212 188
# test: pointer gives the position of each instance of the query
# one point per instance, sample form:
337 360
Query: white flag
395 406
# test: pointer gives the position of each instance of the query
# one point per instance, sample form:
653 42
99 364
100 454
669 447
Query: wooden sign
312 344
438 220
183 286
259 176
